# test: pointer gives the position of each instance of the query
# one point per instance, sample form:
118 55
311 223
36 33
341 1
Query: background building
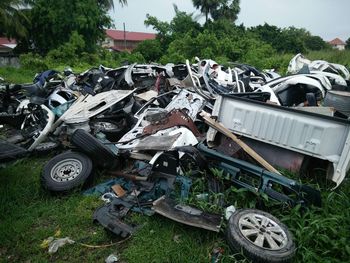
7 45
337 44
118 41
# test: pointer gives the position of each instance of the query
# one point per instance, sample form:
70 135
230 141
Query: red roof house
7 45
115 39
337 44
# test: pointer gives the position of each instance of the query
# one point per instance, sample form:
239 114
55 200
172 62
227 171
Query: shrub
68 52
33 62
151 50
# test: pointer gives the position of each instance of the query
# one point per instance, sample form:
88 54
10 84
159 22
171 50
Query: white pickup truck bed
312 134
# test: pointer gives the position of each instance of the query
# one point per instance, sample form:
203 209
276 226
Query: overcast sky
326 18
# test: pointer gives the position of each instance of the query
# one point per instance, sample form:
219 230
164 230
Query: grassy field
17 75
29 215
334 56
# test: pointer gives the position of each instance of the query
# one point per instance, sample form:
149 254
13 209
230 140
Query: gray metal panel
311 134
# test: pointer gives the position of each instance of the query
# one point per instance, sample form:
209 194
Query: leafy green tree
268 33
151 50
53 23
285 40
347 42
68 51
255 52
183 22
292 40
13 18
203 45
179 25
162 28
315 43
302 39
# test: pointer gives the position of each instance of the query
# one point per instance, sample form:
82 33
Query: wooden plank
221 128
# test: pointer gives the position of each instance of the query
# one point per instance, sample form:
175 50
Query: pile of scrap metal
333 81
42 115
155 129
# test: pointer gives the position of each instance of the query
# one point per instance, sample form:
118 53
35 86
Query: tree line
65 29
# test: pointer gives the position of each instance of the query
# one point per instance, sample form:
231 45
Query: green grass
17 75
22 75
28 215
333 56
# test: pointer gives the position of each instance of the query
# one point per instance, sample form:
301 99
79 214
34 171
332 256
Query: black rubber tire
340 100
239 243
50 184
96 150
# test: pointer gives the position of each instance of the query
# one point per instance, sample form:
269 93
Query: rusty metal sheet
173 118
276 156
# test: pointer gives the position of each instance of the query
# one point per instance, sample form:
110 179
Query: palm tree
109 4
178 12
228 10
206 6
12 18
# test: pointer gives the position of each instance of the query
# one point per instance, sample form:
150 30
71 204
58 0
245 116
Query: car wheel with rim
260 236
66 171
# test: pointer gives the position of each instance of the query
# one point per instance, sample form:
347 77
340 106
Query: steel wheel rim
106 125
262 231
66 170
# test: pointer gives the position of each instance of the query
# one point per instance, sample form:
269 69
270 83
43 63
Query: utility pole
124 37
